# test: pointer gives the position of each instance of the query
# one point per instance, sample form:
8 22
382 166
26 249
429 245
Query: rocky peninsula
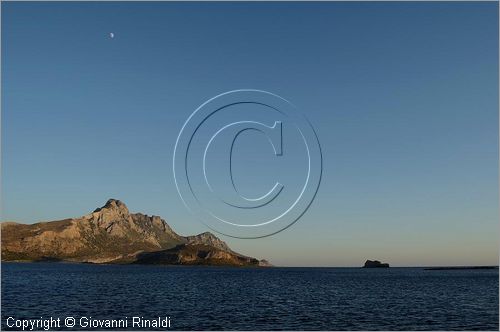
111 234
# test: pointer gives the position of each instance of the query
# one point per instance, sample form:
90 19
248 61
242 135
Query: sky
403 98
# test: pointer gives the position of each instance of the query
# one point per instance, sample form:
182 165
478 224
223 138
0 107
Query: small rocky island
375 263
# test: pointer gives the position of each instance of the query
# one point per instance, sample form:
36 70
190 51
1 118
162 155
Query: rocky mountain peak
209 239
115 206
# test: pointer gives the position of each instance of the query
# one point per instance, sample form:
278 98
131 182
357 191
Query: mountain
208 239
111 234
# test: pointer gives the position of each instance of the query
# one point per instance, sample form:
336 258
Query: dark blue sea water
215 298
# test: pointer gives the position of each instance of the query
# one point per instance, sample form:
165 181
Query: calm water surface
202 298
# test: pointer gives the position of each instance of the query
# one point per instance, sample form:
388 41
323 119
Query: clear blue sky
403 97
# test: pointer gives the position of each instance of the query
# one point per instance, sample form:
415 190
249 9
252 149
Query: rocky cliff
111 234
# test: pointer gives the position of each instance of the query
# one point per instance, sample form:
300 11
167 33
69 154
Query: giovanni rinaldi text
87 323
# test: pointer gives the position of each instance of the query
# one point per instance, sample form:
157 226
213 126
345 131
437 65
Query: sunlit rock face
112 234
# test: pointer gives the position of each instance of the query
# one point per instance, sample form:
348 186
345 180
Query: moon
111 35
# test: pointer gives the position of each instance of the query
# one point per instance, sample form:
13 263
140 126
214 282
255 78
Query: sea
224 298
